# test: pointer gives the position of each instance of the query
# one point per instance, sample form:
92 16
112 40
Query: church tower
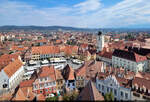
100 41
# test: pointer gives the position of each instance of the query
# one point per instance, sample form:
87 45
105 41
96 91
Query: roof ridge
92 91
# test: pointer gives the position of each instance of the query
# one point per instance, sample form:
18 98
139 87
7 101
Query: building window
68 84
121 94
126 95
46 79
111 89
99 86
107 89
102 87
115 92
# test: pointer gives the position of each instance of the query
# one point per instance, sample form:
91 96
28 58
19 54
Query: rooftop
13 67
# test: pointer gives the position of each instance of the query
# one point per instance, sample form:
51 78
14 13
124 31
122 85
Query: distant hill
55 28
9 28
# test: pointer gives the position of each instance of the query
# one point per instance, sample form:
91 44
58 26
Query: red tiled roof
47 72
42 40
24 94
6 59
45 50
106 54
13 67
17 48
81 71
68 73
129 55
141 82
90 93
123 82
26 83
69 49
84 45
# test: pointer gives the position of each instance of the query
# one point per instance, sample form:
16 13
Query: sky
76 13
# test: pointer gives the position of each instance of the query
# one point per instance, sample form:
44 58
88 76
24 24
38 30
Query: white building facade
128 64
16 78
129 61
111 84
12 75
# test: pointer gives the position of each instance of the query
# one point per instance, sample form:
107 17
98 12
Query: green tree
71 96
55 98
109 96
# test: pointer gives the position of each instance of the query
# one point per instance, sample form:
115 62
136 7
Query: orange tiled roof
45 50
58 41
84 45
69 49
141 82
42 40
81 71
24 94
40 97
26 83
90 93
13 67
18 48
48 71
6 59
106 54
68 73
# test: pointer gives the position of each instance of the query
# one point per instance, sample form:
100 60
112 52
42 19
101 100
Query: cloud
88 5
123 14
90 13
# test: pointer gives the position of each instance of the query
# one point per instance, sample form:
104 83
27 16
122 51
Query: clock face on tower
99 33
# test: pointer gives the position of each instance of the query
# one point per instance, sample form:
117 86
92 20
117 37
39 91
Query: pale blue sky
76 13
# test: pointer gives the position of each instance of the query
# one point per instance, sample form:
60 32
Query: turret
100 41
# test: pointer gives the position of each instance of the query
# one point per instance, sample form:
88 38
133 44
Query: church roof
92 94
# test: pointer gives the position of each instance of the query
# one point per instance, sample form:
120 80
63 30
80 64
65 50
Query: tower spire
100 41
